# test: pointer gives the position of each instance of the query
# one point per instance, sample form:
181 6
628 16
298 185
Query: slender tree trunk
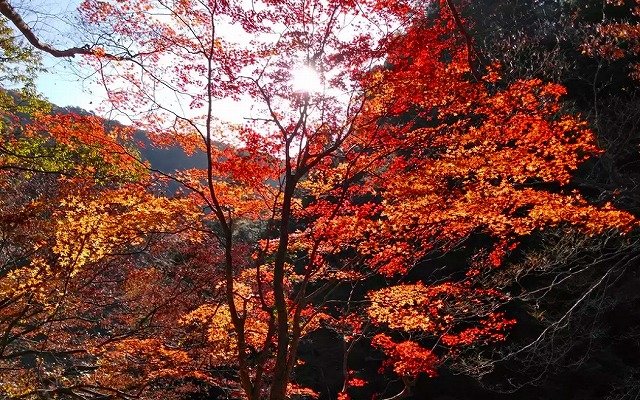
281 370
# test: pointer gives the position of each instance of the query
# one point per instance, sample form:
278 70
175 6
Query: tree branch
12 15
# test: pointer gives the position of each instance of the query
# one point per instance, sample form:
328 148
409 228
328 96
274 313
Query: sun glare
306 80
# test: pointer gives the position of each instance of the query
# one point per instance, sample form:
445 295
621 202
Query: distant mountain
167 160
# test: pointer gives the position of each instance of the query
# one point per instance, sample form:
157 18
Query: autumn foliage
617 38
452 156
109 287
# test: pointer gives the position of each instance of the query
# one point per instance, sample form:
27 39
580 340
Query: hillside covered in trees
429 200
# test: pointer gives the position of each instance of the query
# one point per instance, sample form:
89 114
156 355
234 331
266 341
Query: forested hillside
429 200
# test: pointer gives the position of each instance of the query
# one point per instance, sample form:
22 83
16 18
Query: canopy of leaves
326 211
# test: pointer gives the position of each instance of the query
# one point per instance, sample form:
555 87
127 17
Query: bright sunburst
306 80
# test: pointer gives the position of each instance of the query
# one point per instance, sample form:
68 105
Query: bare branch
12 15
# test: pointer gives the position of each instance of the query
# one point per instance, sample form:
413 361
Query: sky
63 82
66 83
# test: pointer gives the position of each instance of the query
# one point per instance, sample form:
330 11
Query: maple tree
262 311
617 38
80 228
475 157
403 152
